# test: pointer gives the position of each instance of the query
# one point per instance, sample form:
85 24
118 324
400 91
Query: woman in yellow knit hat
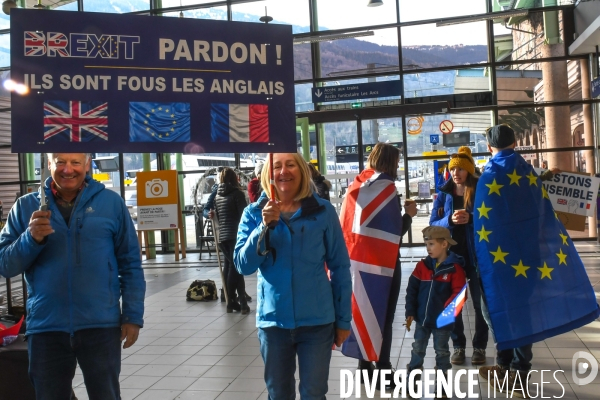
453 209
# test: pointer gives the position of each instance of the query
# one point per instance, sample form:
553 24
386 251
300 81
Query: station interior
448 70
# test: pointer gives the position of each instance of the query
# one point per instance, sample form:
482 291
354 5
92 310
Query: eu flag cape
534 282
372 225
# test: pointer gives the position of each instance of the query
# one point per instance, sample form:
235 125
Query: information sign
355 91
157 195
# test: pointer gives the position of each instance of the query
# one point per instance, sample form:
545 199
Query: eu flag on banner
75 121
239 122
372 226
159 122
534 282
449 314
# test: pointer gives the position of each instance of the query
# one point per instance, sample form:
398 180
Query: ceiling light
7 5
326 38
483 17
375 3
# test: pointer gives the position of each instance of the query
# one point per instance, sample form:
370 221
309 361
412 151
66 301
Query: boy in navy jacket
434 283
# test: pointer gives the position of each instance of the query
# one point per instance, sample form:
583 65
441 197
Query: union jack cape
372 225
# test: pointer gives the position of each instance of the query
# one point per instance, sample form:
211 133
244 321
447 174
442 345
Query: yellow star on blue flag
514 178
532 179
483 234
494 187
545 270
499 255
562 257
483 211
521 269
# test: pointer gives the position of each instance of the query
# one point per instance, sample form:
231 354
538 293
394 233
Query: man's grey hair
88 156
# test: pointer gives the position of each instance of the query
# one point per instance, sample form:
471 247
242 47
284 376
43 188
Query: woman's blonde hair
384 158
305 183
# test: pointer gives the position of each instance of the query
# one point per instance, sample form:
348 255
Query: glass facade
488 69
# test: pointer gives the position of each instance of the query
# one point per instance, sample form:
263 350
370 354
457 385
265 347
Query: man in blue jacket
79 258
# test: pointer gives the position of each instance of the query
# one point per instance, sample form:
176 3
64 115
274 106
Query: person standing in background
229 206
453 209
254 188
322 185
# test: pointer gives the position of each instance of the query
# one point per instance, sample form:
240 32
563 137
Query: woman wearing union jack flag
373 226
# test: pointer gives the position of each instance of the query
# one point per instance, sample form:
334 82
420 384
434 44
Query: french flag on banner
239 122
449 314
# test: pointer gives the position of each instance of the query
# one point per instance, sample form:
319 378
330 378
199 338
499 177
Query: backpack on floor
202 290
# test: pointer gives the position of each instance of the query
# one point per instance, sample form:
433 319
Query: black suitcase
14 377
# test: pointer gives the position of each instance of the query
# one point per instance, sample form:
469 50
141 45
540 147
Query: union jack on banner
35 43
57 43
372 225
75 121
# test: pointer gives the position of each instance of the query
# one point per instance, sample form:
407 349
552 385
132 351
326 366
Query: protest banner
131 83
573 193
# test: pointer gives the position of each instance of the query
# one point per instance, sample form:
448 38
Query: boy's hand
409 321
340 336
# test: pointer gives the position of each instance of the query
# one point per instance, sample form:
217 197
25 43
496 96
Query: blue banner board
370 90
130 83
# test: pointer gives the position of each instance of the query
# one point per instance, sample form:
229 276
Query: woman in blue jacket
453 209
300 311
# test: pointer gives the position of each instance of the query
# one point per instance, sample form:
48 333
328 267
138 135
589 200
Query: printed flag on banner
75 121
35 43
449 314
533 280
159 122
239 122
372 226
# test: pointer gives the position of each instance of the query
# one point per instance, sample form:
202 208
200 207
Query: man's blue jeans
279 348
518 359
441 337
480 338
53 357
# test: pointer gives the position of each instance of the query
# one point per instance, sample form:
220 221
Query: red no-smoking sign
446 126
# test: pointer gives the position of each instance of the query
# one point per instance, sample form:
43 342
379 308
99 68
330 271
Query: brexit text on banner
159 122
534 281
573 193
239 122
132 63
75 121
448 316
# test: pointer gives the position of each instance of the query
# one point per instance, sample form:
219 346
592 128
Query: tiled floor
195 350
